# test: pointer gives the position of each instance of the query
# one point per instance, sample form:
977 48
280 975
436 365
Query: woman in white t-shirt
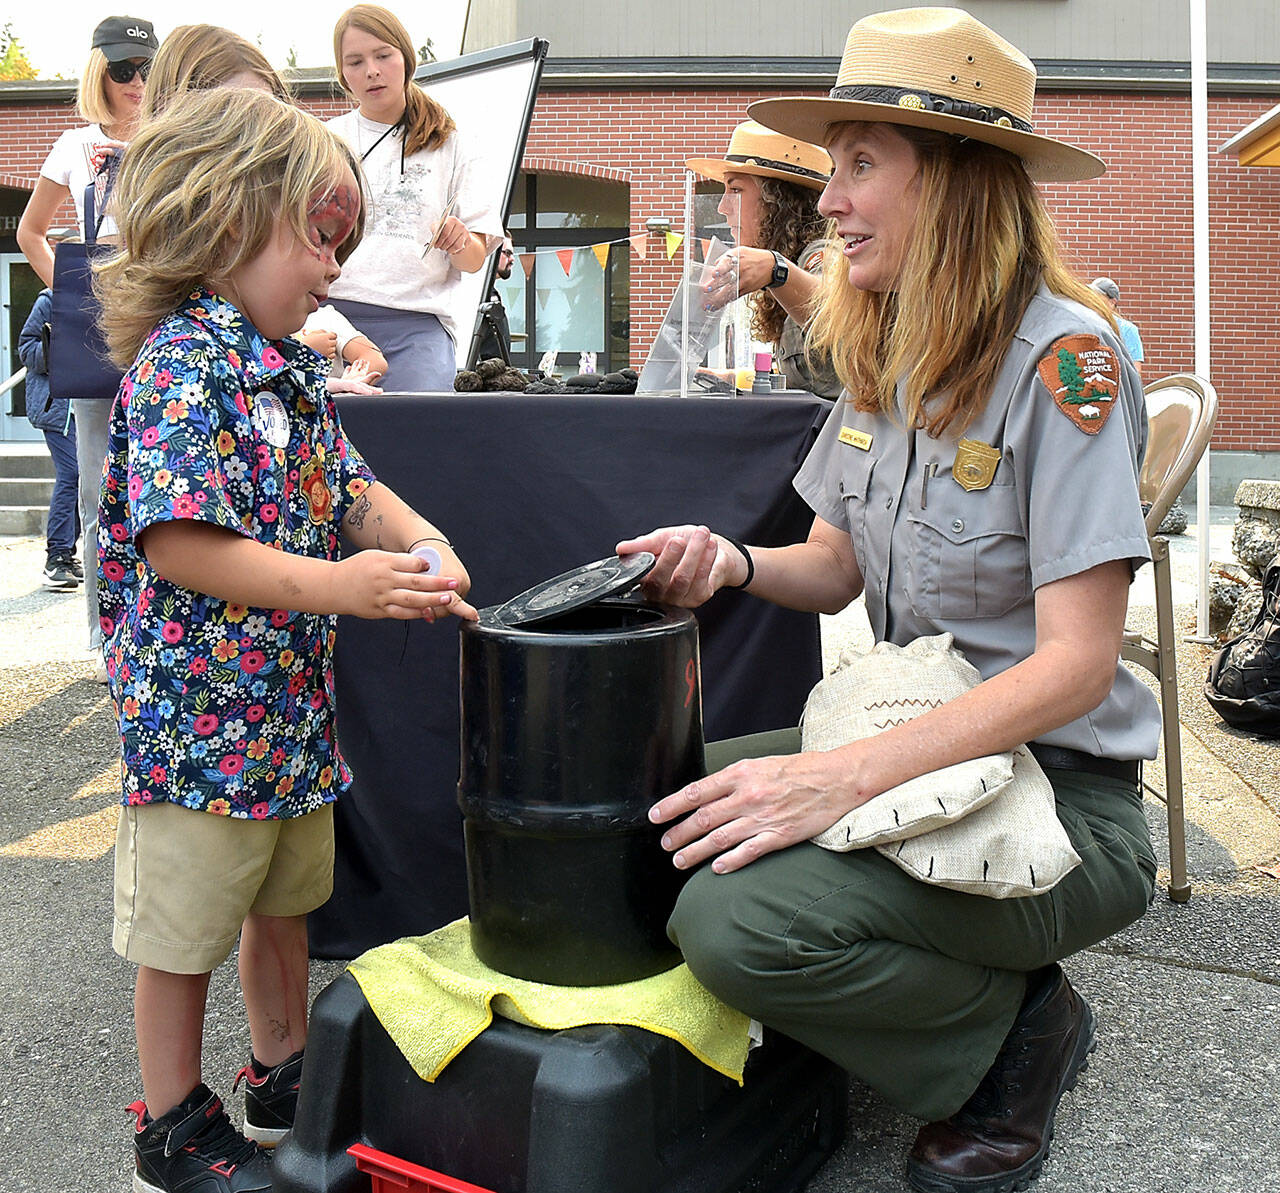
110 99
430 216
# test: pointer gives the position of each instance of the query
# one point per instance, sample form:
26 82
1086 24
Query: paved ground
1183 1095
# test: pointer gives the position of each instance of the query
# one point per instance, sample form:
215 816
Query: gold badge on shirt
975 464
315 488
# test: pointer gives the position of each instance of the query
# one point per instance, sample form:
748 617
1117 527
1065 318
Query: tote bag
78 363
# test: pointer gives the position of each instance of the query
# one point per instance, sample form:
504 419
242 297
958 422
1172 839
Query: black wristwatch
781 271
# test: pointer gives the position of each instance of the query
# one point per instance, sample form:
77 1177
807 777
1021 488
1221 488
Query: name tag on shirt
856 438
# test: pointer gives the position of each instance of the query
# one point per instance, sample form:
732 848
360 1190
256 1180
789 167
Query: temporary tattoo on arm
359 512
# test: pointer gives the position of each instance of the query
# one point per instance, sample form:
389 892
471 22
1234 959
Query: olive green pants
911 987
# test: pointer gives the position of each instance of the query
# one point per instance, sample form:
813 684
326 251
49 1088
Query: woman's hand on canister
692 564
754 807
740 271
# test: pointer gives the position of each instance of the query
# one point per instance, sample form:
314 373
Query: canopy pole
1200 279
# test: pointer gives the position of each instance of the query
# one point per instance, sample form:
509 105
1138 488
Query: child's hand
345 385
323 342
393 584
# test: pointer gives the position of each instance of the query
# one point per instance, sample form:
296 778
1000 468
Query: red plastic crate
390 1173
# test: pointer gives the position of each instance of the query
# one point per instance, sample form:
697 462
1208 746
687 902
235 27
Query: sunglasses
123 71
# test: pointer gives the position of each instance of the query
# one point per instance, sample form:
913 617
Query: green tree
426 52
291 59
13 58
1071 376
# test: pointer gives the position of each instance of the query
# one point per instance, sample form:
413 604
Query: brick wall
1134 224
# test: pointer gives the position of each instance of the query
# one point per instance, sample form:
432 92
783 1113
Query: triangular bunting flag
566 259
526 263
602 254
543 295
640 245
674 241
706 247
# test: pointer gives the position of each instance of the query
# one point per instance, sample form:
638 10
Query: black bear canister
580 709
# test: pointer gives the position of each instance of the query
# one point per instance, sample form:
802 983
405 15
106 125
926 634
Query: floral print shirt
223 708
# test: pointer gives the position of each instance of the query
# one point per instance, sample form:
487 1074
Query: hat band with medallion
783 167
914 99
938 69
759 151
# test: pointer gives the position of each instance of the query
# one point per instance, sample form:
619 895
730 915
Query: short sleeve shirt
68 164
406 195
222 707
1131 338
329 318
793 362
1043 499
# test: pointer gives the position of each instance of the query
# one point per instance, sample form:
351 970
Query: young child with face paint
228 482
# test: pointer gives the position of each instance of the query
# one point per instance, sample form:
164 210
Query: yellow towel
434 996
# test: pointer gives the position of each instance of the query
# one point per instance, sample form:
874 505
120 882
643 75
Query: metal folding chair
1181 410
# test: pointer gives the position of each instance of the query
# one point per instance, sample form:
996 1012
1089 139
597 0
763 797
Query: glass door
19 286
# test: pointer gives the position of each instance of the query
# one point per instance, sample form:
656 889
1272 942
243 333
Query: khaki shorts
185 880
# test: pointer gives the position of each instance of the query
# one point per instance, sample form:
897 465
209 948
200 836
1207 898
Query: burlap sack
871 692
1005 843
1013 846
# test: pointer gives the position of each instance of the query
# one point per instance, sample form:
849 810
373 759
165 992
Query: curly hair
201 191
790 221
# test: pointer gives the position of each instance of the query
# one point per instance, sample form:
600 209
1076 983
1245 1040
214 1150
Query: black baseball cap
120 38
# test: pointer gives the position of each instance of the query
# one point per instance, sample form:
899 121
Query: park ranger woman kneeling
978 478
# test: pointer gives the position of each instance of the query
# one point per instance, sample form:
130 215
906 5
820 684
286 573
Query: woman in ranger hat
771 188
979 478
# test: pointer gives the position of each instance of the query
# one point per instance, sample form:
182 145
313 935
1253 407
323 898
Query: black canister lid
572 590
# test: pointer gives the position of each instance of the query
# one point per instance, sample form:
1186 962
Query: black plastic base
589 1110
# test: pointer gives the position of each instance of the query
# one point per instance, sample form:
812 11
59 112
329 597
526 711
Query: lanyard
399 124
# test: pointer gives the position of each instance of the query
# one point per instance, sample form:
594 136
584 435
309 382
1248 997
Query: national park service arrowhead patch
1083 376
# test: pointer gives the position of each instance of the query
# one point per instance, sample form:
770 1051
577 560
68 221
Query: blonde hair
91 95
202 57
427 124
981 246
200 193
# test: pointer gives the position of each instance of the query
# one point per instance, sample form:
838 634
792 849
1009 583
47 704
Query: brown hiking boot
997 1141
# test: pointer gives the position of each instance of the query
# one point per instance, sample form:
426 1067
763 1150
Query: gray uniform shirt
818 378
938 558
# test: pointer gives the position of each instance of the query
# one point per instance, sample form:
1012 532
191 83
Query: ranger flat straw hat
936 68
754 149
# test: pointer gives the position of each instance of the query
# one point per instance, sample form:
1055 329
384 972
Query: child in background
228 482
53 417
352 355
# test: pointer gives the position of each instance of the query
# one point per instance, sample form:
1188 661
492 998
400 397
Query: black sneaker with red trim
195 1149
270 1098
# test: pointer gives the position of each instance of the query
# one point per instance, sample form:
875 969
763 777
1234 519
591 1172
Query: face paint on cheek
338 210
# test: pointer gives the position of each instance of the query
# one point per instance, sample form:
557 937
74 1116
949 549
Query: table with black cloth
527 487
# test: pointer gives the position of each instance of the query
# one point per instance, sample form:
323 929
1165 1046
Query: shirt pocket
854 487
969 553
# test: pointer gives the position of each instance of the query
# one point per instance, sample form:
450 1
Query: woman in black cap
110 100
977 482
